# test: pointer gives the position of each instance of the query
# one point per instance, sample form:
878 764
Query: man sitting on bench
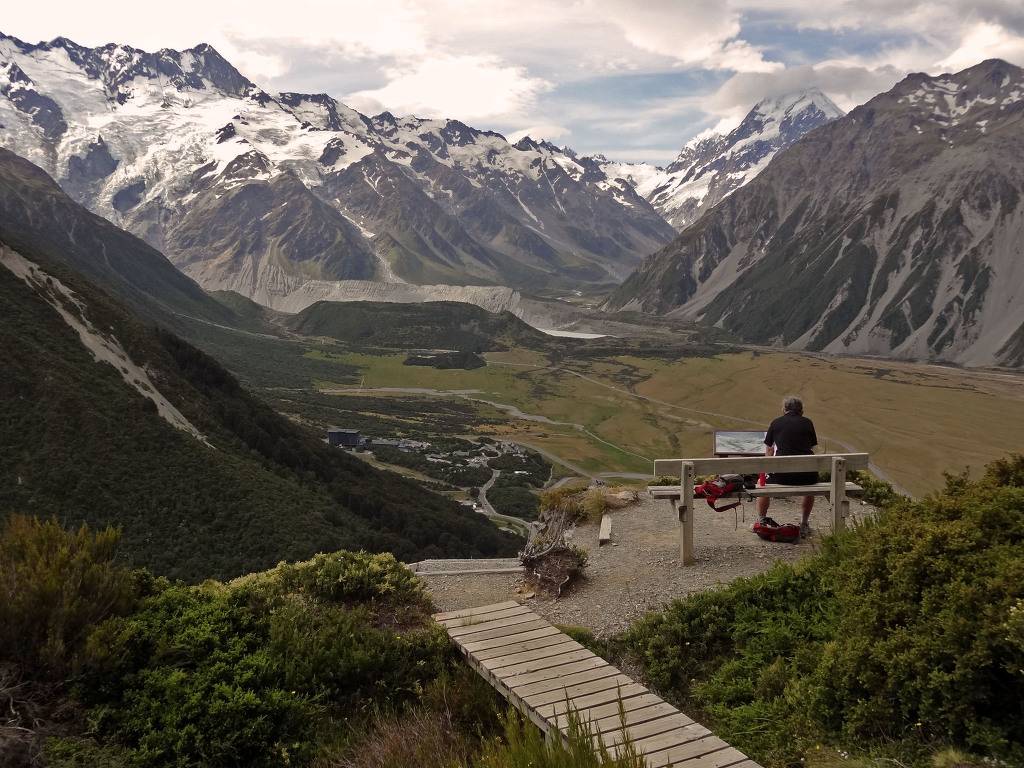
791 434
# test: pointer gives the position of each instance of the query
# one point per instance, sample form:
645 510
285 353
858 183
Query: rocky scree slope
262 194
897 230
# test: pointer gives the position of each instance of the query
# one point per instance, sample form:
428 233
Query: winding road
499 519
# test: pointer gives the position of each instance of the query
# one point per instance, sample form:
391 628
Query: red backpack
769 530
723 485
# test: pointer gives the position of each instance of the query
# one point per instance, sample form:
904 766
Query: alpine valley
893 230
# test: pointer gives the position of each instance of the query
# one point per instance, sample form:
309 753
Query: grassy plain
614 414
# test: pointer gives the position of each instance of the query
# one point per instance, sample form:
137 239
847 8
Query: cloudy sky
633 79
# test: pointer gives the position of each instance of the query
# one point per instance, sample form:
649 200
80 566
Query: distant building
345 438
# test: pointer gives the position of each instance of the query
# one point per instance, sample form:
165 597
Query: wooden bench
681 496
545 674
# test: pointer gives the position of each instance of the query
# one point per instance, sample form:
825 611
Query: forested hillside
77 442
430 325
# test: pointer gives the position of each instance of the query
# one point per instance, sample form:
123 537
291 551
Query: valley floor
617 412
640 571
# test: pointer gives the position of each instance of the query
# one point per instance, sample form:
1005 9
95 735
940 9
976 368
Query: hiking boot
805 531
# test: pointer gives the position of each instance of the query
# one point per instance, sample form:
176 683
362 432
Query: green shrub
247 674
904 633
876 492
70 752
54 586
347 578
190 678
346 662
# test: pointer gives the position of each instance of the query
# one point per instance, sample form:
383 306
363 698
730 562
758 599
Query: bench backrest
821 462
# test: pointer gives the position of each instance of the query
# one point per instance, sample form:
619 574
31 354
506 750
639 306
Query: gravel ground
640 570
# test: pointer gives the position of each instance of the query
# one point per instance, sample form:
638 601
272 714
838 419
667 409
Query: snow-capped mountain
263 193
896 230
709 168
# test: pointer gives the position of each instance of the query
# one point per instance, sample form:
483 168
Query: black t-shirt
791 435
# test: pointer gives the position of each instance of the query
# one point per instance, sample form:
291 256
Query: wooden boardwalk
545 674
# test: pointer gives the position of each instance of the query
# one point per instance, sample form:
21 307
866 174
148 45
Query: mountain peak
794 102
711 166
117 66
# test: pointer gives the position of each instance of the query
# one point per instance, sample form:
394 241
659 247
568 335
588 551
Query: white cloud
847 84
258 66
467 87
694 33
985 40
492 61
380 28
546 131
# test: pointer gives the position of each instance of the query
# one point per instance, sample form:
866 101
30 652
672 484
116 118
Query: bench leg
837 495
686 516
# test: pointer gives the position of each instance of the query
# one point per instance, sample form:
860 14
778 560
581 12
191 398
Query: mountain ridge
156 141
894 230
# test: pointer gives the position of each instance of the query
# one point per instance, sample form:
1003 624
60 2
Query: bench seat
773 491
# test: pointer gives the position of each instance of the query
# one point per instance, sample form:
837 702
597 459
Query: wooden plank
535 665
580 703
562 681
638 715
721 758
697 748
443 617
675 738
507 621
672 492
515 659
476 621
655 727
572 691
605 534
553 673
514 634
686 555
786 491
821 462
610 712
537 644
665 491
514 629
840 506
